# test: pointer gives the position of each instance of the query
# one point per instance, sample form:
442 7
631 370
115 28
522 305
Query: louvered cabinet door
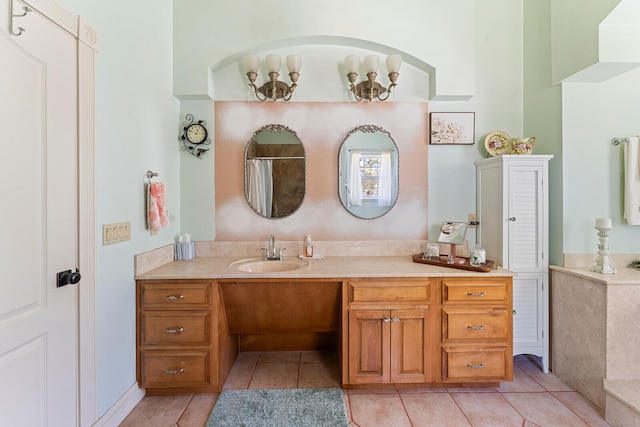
525 218
528 313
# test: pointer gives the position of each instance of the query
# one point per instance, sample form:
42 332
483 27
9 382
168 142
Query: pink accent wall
321 127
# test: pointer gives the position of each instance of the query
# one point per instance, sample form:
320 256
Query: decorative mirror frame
274 128
369 129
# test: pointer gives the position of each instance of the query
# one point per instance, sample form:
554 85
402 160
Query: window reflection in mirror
368 172
274 172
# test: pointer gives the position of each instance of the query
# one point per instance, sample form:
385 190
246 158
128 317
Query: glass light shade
371 63
352 63
251 63
393 63
294 63
273 63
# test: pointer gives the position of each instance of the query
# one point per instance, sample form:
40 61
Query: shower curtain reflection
260 185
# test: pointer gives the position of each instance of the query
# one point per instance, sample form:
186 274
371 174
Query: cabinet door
409 361
369 346
528 303
525 218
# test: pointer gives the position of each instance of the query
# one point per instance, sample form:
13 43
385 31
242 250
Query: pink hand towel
157 214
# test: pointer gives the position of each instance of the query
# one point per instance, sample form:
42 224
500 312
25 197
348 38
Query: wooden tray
442 262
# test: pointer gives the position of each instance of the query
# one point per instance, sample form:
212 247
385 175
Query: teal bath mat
303 407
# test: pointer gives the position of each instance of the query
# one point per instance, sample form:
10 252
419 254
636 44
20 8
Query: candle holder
603 262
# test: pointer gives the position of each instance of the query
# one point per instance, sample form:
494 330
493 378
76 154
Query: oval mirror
368 172
274 172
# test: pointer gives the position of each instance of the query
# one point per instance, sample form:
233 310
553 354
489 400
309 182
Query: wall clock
194 136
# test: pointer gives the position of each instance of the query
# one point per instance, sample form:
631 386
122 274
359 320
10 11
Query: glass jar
478 256
432 251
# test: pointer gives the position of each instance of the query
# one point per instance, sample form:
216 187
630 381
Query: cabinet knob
386 319
174 297
476 328
175 330
395 319
514 312
513 218
174 371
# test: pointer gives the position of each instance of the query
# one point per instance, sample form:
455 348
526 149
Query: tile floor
532 399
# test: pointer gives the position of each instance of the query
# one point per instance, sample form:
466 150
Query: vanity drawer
388 292
464 365
467 323
494 291
175 369
169 295
166 327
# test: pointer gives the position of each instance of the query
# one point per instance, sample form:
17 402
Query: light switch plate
471 218
116 232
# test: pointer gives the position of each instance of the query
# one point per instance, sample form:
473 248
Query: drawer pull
476 294
395 319
175 330
476 366
386 319
174 297
476 328
174 371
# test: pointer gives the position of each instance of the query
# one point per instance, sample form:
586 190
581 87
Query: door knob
67 277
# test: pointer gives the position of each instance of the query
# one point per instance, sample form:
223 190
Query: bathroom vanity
392 322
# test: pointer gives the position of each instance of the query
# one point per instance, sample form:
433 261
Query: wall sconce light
370 89
273 89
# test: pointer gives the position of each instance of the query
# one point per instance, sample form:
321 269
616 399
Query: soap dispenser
308 247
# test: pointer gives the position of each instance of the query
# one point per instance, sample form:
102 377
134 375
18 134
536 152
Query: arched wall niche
323 76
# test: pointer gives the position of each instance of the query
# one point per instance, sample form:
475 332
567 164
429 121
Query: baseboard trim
119 411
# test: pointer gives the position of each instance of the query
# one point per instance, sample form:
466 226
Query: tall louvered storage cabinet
512 209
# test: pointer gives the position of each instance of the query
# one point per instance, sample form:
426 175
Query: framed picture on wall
452 128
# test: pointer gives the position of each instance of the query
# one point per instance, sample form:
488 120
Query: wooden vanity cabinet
476 329
390 332
430 332
181 329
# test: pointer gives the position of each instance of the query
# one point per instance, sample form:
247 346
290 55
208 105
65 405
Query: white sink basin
258 265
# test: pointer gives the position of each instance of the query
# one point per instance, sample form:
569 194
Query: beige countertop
219 267
624 275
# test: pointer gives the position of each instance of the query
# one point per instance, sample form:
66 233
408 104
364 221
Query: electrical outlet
472 220
116 232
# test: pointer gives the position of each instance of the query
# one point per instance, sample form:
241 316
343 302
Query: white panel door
38 188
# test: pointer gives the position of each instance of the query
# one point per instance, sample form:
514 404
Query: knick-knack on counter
308 247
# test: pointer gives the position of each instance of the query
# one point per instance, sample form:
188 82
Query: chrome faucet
271 253
272 245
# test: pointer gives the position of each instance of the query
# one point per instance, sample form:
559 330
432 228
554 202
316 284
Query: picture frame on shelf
452 128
